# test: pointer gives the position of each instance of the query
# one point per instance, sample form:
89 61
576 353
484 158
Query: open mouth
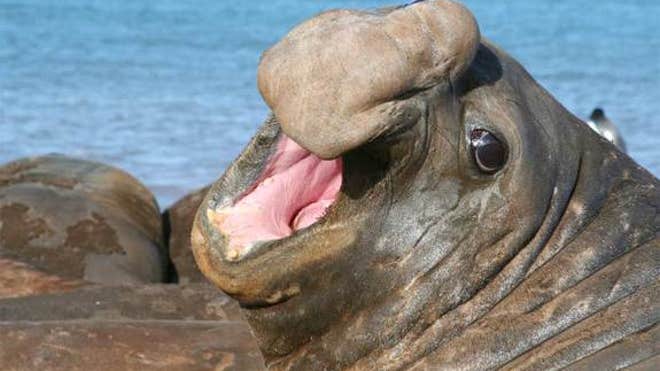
293 192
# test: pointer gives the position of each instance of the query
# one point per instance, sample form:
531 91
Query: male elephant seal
78 219
419 201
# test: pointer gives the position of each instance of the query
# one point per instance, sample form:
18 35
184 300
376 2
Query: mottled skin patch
200 302
80 220
18 228
93 235
130 345
18 279
148 327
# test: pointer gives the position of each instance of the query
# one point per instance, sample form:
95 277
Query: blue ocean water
167 89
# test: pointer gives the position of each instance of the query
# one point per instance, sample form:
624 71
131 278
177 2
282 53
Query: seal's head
407 164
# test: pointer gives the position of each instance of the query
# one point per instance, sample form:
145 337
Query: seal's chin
293 192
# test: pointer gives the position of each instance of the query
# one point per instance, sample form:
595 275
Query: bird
606 128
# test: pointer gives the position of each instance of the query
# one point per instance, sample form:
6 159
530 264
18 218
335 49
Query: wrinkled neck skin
434 257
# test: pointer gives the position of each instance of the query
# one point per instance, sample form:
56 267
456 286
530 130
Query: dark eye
489 152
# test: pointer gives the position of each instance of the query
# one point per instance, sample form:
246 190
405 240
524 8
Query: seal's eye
489 152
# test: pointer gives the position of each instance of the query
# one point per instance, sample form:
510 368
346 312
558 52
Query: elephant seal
603 126
418 201
78 219
177 223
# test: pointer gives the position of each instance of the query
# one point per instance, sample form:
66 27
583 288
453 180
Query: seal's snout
345 77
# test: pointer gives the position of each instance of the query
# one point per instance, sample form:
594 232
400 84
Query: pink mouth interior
295 190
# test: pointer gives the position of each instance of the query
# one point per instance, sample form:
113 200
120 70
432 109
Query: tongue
294 192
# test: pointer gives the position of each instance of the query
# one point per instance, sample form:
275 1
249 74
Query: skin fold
425 261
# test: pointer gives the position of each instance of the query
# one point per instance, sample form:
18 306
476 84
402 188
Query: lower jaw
272 272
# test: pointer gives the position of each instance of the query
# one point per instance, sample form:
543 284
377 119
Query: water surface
167 89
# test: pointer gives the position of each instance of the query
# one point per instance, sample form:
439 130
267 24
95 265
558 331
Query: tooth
232 254
216 218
